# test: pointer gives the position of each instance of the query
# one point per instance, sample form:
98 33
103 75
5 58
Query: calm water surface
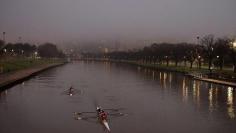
156 101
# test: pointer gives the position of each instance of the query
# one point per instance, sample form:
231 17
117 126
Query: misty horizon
129 22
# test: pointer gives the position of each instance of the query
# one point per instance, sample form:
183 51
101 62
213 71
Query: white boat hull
105 123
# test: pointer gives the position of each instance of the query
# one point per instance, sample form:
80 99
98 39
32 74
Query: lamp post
199 61
4 36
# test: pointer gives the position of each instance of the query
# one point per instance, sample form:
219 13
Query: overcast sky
83 20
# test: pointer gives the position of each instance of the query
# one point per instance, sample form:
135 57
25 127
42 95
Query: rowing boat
103 120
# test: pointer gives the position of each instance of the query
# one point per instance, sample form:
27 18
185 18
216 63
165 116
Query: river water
154 101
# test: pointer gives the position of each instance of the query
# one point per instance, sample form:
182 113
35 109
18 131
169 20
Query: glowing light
234 44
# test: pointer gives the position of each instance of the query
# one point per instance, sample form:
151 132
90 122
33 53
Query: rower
99 109
103 115
70 91
71 88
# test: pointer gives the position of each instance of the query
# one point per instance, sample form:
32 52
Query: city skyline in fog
125 21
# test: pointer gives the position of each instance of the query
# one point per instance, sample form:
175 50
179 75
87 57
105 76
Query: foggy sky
123 20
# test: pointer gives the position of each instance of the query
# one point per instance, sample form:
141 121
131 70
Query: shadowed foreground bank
21 69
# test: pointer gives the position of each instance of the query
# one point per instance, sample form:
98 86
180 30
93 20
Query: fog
127 21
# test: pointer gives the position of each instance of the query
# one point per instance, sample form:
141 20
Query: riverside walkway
215 81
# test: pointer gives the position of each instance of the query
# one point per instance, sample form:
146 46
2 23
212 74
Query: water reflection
211 107
184 91
196 92
3 99
3 95
207 97
230 102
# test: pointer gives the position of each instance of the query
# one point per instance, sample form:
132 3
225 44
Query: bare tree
232 45
220 49
208 45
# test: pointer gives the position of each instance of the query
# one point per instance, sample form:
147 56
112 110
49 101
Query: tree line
210 51
46 50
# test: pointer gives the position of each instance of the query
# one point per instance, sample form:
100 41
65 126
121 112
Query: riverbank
19 74
225 77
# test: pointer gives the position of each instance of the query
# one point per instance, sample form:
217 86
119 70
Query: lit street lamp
234 44
199 61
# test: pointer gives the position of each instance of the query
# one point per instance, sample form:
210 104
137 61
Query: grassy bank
14 64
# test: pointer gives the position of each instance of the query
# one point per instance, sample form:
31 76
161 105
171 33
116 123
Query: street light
217 56
234 44
4 38
198 40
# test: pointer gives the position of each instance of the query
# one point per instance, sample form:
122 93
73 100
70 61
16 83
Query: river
154 101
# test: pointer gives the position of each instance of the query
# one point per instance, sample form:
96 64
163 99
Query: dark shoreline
25 75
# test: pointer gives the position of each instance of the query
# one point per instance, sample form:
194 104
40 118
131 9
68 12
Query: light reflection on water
230 102
218 98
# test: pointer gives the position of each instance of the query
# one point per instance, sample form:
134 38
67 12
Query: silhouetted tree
208 44
191 54
179 52
199 52
1 44
233 53
221 48
48 50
